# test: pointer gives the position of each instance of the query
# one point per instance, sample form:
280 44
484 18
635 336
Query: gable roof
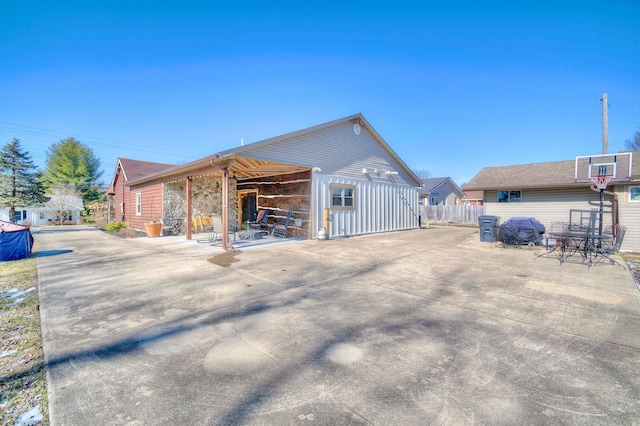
137 169
243 153
431 184
556 174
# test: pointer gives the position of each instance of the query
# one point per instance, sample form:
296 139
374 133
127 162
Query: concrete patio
415 327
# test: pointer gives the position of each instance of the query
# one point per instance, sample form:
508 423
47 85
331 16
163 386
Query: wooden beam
225 208
189 210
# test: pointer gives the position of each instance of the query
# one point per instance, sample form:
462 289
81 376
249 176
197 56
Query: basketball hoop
600 182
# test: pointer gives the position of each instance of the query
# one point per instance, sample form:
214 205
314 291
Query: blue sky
452 86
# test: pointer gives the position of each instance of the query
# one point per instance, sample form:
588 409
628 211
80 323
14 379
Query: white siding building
46 214
340 176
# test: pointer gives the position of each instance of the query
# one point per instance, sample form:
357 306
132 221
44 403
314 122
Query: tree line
72 171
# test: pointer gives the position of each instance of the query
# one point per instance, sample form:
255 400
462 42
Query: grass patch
23 382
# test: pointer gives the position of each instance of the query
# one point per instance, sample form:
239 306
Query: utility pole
605 124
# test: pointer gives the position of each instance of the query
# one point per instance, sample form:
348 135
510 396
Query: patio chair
280 229
215 231
260 223
196 224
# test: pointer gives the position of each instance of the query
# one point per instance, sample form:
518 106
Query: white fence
451 214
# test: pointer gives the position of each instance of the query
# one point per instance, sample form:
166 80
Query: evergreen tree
19 181
70 162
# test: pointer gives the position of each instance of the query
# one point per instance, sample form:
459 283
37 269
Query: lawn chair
215 231
280 229
260 223
608 247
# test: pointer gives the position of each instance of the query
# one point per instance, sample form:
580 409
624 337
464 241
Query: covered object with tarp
16 241
521 230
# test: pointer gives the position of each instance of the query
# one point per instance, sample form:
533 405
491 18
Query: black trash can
488 228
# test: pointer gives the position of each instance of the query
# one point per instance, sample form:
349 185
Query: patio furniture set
256 229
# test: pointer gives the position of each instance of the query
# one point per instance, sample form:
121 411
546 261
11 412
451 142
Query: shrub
115 226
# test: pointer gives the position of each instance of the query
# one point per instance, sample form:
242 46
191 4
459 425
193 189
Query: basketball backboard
618 166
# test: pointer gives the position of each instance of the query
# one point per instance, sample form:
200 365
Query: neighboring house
440 191
548 191
47 213
340 175
472 198
119 205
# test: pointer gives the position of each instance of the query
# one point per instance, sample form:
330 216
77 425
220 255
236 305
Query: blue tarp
16 241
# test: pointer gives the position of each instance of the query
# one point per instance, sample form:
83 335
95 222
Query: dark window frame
509 196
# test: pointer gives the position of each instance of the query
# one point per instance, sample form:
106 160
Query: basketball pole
600 218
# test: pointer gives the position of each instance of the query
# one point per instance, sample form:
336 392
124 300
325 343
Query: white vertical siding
379 207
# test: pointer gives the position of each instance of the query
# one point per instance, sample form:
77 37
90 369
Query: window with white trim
138 204
634 194
343 196
511 196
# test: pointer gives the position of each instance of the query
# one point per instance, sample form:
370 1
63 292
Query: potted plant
153 228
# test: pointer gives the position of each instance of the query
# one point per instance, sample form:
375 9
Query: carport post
189 210
225 207
223 164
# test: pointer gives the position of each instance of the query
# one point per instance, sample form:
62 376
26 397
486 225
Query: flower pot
153 229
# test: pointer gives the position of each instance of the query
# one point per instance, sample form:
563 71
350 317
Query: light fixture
317 169
391 173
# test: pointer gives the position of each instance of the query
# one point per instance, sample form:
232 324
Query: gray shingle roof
555 174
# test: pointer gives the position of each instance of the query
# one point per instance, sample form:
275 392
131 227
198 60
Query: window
511 196
41 215
17 216
634 194
138 204
343 197
433 199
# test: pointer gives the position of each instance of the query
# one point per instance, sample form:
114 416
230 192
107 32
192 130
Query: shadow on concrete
48 253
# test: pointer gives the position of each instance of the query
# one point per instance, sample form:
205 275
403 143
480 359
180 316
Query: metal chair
280 229
215 231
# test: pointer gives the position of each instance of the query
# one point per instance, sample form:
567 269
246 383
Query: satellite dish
356 129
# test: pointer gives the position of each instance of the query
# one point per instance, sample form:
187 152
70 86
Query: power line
36 131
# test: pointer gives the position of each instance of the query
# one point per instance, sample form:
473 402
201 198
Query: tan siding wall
547 205
629 217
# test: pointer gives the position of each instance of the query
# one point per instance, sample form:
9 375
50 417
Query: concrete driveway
417 327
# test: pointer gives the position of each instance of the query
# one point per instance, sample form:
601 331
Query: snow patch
29 418
16 294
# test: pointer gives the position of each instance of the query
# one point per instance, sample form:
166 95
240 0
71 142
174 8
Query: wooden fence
450 214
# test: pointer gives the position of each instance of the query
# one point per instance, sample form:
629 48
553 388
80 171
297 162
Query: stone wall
206 192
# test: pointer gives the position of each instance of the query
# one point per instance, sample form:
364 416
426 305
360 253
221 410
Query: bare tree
65 199
423 173
633 144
